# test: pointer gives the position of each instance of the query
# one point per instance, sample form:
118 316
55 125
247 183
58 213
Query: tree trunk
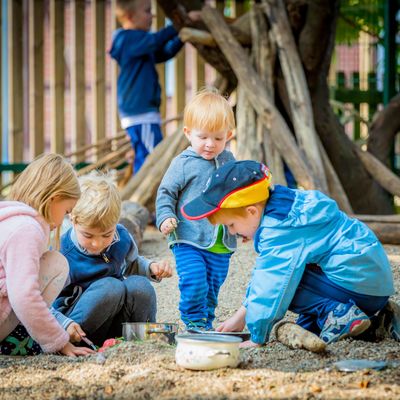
316 43
384 127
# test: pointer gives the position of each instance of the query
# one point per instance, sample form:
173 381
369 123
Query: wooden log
134 217
257 95
296 337
334 185
387 233
389 219
197 36
383 175
297 89
264 53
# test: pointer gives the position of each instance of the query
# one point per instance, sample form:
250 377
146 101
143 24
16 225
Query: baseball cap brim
198 209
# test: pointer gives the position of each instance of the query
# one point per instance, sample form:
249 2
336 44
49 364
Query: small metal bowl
163 331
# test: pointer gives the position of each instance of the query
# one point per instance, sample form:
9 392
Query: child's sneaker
346 320
394 322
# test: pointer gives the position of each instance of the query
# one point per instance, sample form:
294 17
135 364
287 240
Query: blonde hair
209 111
123 7
100 202
46 177
215 218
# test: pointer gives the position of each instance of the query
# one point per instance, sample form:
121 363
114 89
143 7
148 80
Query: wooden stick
297 89
108 158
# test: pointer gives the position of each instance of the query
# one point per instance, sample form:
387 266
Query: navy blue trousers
316 296
201 274
144 138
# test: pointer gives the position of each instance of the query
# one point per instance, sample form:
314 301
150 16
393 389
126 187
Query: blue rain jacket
303 227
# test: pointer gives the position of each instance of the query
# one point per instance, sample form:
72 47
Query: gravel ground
147 370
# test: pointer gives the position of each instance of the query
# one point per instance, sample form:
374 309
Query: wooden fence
355 106
59 83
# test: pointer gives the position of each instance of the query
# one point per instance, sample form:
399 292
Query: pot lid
209 338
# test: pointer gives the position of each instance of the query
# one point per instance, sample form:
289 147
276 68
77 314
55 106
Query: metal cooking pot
203 351
163 331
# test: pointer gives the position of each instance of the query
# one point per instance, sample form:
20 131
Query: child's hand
168 226
75 332
72 351
194 15
236 323
161 269
249 343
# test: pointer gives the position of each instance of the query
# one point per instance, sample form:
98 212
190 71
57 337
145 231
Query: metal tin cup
164 331
204 352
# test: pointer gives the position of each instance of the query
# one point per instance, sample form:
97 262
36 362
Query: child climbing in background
312 258
30 276
137 52
202 251
109 282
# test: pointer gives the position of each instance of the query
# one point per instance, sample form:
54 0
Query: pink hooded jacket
24 237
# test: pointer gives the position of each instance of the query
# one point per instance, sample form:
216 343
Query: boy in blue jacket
109 282
137 52
312 259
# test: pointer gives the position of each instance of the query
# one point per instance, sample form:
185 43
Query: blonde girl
30 276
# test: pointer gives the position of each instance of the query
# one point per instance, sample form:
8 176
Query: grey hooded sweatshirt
184 180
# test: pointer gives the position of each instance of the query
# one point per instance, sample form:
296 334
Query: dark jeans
316 296
108 302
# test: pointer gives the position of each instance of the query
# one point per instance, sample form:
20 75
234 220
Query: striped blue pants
201 274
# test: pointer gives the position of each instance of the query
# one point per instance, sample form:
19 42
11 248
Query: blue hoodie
137 53
184 180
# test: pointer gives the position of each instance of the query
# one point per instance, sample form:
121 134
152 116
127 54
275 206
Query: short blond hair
123 7
209 111
100 202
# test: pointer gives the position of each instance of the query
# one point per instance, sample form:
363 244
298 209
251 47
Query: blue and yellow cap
235 184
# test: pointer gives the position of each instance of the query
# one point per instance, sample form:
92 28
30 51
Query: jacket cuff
57 344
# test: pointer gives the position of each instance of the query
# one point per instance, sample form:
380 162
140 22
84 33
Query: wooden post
199 68
78 134
180 85
57 75
159 24
98 73
115 122
355 78
15 97
372 106
36 92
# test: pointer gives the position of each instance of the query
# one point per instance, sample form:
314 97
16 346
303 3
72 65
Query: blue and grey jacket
121 256
307 227
137 53
184 180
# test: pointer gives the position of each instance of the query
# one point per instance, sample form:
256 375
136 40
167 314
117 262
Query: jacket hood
10 209
117 41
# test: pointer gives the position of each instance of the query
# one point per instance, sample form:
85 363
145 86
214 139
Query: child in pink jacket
30 276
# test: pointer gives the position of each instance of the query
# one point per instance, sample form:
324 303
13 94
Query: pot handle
158 330
212 354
